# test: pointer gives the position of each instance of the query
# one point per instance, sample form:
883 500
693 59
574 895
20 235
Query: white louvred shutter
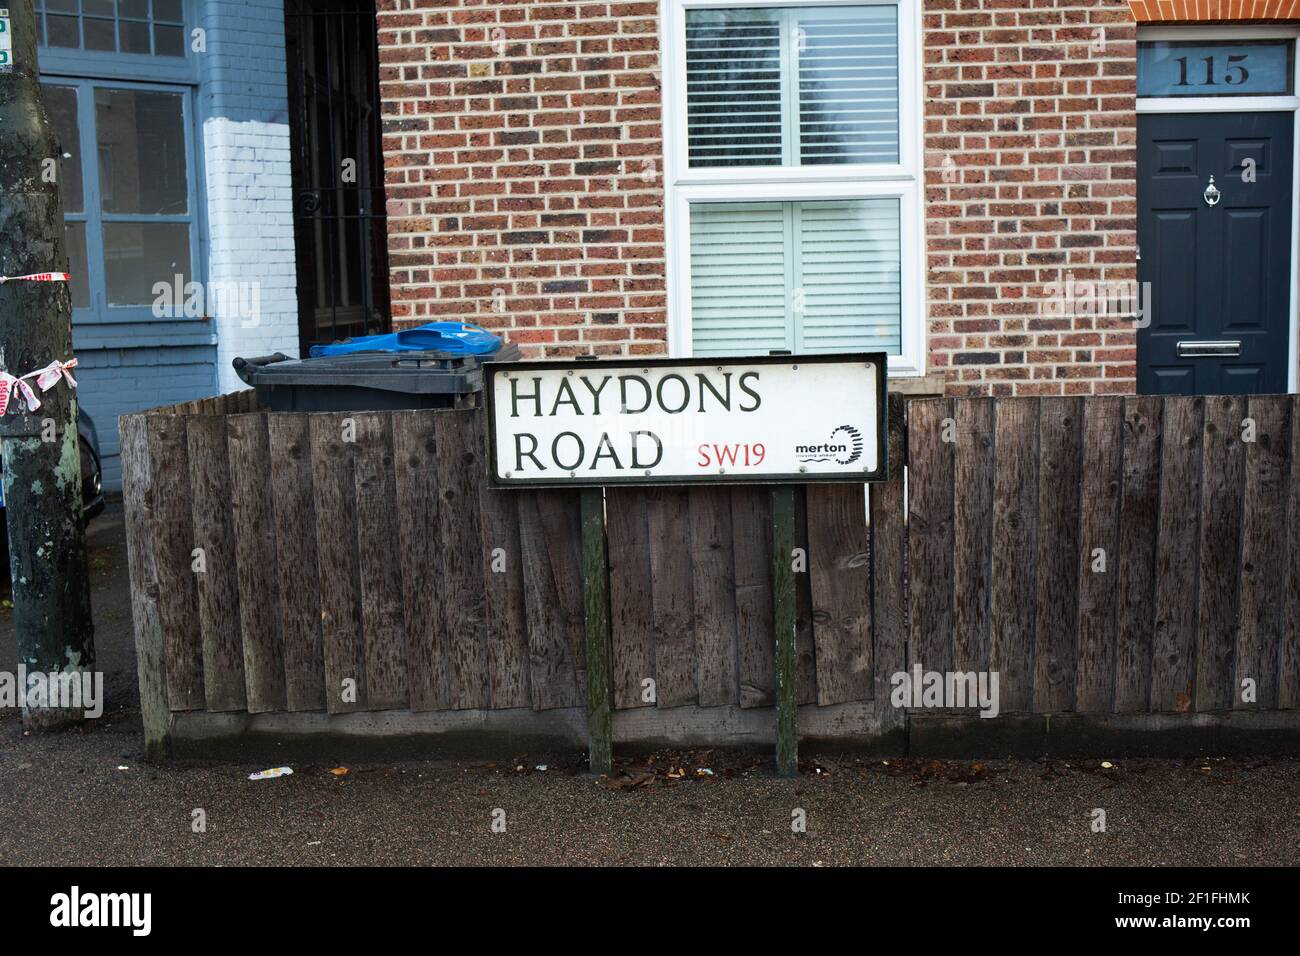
847 85
849 272
733 88
740 278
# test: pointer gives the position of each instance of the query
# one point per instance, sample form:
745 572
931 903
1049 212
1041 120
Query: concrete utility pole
39 450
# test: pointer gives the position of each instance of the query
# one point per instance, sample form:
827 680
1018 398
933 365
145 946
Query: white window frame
1241 104
904 180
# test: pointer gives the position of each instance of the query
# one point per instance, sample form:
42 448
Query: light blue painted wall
127 367
243 72
113 382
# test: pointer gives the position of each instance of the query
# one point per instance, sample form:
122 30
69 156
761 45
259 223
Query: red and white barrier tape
38 277
46 378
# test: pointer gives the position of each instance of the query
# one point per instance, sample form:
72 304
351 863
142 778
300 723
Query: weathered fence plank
751 543
1098 563
671 601
714 595
460 536
415 476
629 593
805 646
553 668
383 626
1056 604
930 529
561 514
1139 513
248 447
507 616
1263 535
295 575
173 542
1288 688
550 668
1173 645
1218 592
334 494
216 573
150 653
973 477
888 533
784 629
1015 522
595 593
840 571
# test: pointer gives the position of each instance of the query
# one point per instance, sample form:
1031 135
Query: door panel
1221 272
1245 257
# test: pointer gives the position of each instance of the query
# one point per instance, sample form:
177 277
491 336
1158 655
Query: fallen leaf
627 782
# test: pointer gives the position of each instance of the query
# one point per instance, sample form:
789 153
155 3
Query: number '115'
1235 75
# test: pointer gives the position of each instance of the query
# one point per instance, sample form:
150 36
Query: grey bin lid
414 373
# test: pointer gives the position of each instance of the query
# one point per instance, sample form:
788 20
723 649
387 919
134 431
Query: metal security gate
338 170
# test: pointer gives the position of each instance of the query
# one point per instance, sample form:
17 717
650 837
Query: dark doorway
1218 257
338 170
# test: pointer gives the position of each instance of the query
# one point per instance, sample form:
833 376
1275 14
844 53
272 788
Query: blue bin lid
450 338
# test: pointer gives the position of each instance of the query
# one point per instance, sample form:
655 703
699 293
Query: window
840 258
129 210
794 179
1215 68
148 27
799 86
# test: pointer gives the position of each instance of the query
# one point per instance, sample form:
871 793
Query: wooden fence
1103 555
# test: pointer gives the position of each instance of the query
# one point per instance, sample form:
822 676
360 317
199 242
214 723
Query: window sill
915 386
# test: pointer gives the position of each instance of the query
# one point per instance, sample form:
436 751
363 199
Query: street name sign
769 419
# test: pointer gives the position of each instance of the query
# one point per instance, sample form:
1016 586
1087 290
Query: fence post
595 591
784 627
150 651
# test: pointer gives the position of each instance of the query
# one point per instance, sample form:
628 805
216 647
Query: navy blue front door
1217 255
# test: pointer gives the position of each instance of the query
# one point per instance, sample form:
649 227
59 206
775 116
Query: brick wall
1030 129
523 154
523 151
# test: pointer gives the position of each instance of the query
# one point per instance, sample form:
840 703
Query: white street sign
627 421
6 41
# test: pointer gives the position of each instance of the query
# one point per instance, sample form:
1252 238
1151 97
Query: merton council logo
844 447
